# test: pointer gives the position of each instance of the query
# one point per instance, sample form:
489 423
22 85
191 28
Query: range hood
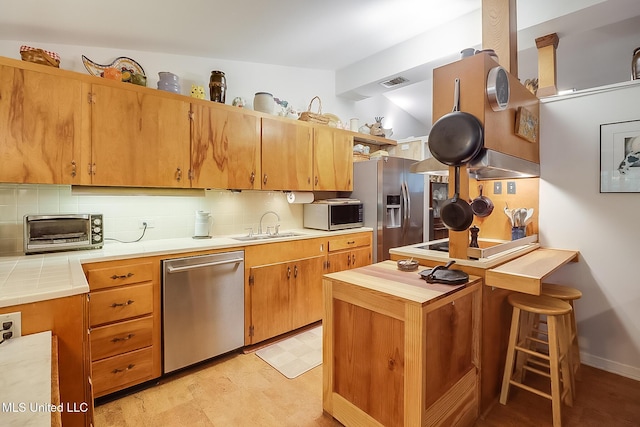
488 164
491 164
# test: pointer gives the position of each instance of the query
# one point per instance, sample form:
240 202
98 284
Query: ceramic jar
635 64
168 82
264 102
217 86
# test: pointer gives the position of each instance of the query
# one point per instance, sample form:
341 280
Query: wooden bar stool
568 294
521 337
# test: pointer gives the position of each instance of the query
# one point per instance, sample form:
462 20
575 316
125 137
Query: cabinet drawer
111 305
107 341
349 242
121 371
119 275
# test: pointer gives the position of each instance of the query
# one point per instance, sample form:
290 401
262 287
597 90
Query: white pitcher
203 224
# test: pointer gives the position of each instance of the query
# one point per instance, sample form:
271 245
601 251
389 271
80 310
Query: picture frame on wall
620 157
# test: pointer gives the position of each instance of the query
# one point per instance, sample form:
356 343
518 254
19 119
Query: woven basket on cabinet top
308 116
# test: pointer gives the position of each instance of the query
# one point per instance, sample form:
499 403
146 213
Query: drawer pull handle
127 338
351 242
122 304
115 276
117 371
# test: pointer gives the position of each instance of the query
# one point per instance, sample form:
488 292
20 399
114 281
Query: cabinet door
270 315
40 135
333 160
138 138
225 148
345 260
306 291
287 150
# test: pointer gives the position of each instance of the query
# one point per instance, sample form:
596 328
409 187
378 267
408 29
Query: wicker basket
318 117
40 56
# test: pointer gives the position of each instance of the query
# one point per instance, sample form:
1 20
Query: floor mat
295 355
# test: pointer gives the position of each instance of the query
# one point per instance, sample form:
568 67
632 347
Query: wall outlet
511 187
150 223
11 322
497 187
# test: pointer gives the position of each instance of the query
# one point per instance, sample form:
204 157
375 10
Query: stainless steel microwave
333 215
62 232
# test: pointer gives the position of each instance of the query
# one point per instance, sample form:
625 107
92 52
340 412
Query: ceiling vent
394 82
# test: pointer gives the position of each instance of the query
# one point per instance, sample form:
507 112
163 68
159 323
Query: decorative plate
122 63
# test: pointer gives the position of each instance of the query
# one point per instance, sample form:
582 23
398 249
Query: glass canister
635 64
217 86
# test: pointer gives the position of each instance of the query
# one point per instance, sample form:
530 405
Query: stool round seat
539 304
565 293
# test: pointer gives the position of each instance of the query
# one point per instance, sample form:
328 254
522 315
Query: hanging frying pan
456 137
456 213
482 205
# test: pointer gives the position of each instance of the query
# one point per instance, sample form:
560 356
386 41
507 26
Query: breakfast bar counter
398 351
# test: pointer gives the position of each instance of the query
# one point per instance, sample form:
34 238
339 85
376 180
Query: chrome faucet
262 217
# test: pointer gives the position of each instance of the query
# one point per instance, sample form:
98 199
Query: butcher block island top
398 351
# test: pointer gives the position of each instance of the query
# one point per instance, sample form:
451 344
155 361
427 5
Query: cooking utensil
481 206
528 217
456 213
442 274
456 137
508 213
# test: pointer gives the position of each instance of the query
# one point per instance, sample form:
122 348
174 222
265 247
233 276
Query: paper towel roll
299 197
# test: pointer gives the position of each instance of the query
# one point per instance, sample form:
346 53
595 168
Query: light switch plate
511 187
497 187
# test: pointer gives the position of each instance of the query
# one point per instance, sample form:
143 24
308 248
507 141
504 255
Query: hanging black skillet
456 138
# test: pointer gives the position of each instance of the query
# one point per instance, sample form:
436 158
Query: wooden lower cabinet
283 281
350 251
395 362
286 296
125 329
66 318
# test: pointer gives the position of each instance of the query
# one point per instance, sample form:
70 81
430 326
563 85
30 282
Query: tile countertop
31 278
26 399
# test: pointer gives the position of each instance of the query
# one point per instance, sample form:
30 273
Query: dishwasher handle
206 264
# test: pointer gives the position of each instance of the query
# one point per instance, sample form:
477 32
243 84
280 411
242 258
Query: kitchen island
521 268
398 351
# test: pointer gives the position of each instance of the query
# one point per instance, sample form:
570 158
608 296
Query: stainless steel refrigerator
393 201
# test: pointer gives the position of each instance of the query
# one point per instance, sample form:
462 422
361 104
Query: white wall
602 226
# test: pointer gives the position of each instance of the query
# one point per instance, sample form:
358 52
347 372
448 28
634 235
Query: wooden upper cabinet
225 148
287 155
333 160
40 127
138 138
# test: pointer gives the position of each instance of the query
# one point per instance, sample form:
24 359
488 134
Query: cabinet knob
288 272
252 177
73 168
178 174
317 180
295 271
264 179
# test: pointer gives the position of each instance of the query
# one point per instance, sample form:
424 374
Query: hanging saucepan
482 205
455 139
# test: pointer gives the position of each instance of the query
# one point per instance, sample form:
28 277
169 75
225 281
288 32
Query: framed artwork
620 157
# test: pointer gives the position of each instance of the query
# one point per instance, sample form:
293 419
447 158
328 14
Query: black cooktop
442 247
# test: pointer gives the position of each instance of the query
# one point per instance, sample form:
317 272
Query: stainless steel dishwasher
202 307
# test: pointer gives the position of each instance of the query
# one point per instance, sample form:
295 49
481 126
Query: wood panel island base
398 351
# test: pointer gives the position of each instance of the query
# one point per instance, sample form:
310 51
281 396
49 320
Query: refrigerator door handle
406 201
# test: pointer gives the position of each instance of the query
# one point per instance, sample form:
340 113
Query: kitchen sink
264 236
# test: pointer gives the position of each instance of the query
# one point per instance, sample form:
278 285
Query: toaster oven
62 232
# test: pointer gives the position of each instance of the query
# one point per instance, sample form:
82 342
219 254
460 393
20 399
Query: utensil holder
517 233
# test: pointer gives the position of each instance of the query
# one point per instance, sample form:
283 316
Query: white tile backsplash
174 216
